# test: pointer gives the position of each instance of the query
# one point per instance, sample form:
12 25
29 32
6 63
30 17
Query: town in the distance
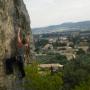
67 40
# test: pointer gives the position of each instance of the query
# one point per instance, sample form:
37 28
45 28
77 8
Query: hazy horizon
61 23
52 12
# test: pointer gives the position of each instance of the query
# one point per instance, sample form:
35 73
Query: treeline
74 76
76 73
50 58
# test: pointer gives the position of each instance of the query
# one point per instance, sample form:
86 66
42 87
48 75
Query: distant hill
85 25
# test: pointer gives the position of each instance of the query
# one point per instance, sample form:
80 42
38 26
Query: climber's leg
21 67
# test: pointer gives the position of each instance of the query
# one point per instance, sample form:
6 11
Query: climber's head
28 33
23 41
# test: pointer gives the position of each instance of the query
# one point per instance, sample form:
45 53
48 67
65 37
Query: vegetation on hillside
74 76
52 58
37 81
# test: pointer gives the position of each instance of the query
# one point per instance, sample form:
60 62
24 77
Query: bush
76 72
38 81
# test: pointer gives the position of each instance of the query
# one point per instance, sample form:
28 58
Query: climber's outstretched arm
28 40
19 37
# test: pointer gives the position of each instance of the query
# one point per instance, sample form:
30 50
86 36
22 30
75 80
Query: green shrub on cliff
37 81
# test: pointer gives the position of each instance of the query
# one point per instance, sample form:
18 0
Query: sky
52 12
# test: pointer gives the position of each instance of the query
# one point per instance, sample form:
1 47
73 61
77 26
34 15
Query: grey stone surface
12 14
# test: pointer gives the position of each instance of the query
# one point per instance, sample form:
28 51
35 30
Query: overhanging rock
12 14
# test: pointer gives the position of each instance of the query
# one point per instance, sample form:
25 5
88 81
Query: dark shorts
20 64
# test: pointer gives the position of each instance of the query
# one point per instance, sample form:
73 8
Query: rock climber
22 44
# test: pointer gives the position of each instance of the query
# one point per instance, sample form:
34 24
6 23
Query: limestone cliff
12 14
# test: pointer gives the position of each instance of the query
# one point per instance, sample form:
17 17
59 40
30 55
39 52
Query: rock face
12 14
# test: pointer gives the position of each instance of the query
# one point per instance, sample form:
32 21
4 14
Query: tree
36 81
55 58
76 71
83 85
